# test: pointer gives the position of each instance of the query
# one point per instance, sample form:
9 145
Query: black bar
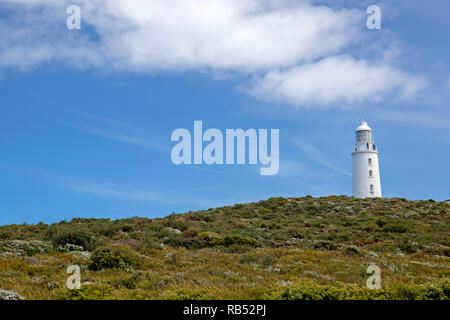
228 309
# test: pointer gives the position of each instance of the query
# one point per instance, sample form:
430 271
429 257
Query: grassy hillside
297 248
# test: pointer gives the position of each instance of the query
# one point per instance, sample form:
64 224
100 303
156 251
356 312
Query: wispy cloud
317 156
306 184
133 193
114 129
299 173
115 190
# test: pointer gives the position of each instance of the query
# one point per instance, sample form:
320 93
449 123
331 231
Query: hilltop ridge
275 248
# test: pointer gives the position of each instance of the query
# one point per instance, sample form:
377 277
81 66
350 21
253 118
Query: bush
190 233
324 244
352 292
295 233
78 238
239 240
178 224
127 228
131 282
109 258
5 234
316 292
174 240
446 252
352 250
209 238
397 228
408 247
87 292
380 222
109 230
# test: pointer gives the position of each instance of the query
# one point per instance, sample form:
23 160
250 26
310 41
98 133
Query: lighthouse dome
363 127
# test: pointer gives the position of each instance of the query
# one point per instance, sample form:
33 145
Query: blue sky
86 115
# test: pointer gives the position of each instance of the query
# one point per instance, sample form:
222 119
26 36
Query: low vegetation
296 248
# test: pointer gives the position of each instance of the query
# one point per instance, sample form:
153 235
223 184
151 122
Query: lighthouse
366 173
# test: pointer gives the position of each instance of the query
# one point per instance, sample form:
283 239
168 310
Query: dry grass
274 249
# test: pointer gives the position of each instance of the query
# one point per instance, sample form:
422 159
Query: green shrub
380 222
352 292
408 247
190 233
352 250
131 282
87 292
397 228
446 251
111 257
269 260
324 244
5 234
178 224
127 228
31 250
295 233
79 238
316 292
174 240
239 240
208 238
109 230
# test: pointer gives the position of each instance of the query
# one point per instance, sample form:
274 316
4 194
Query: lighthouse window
374 147
363 135
367 146
370 173
371 189
370 161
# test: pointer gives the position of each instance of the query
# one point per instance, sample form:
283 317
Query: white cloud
335 79
145 35
248 37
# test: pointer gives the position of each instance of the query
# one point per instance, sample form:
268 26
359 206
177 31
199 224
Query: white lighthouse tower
366 174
